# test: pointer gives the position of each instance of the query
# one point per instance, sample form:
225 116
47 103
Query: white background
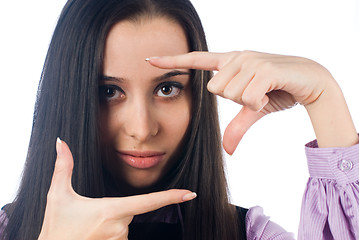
269 166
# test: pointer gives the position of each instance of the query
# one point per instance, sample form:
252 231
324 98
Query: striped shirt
330 205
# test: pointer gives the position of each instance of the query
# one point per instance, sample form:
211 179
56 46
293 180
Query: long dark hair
68 106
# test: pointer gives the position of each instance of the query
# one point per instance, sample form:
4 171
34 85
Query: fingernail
189 196
151 58
58 146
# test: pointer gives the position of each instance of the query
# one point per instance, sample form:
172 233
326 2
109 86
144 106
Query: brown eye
110 92
166 90
169 89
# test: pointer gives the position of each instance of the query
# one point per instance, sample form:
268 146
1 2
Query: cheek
107 120
175 122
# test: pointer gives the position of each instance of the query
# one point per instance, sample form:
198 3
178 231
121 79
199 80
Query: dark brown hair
68 106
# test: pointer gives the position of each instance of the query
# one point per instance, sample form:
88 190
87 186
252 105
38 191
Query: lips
141 159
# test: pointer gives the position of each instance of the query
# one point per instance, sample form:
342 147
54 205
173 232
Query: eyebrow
157 79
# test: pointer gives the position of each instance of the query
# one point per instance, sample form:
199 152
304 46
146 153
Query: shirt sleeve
330 206
258 226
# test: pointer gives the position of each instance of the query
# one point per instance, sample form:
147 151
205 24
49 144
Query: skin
139 116
262 83
265 83
71 216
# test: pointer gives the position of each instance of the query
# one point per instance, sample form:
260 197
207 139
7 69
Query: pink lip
141 159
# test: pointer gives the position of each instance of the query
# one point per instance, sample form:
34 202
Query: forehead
129 43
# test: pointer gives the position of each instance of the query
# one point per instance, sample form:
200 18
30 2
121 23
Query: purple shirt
330 206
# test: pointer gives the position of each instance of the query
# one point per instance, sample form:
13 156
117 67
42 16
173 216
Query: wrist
331 118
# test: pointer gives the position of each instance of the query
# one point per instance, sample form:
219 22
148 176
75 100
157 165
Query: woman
136 129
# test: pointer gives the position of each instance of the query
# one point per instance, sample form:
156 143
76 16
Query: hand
71 216
261 82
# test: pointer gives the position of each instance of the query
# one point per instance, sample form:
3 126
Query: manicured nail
58 146
151 58
189 196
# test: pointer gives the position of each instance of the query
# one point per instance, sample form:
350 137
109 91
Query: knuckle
237 55
269 68
233 54
251 101
227 93
232 95
242 59
229 57
267 65
247 99
246 54
238 60
52 197
213 87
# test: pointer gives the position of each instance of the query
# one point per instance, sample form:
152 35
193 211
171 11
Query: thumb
61 179
238 127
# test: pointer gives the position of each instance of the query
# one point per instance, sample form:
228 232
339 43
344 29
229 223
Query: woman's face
145 111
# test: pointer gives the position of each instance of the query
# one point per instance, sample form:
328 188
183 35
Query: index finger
139 204
193 60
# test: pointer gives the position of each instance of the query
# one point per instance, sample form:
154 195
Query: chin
142 182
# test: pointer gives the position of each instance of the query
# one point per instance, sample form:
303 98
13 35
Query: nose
141 123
